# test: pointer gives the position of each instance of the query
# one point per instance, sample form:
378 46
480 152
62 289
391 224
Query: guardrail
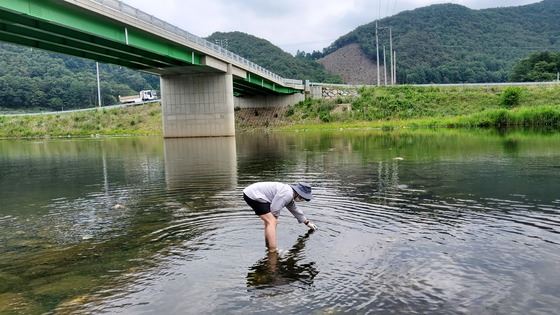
438 84
79 110
156 22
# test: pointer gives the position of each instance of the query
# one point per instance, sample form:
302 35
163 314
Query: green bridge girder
58 26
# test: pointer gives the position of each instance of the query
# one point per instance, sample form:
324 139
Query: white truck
144 95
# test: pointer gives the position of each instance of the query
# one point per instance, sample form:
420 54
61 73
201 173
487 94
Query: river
424 222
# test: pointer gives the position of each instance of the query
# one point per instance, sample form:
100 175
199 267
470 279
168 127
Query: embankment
133 120
395 107
413 106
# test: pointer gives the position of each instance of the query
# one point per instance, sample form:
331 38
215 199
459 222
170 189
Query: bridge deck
113 32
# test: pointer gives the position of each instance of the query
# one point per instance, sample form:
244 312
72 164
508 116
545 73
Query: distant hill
449 43
265 54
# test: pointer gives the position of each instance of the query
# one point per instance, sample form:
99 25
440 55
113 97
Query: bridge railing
156 22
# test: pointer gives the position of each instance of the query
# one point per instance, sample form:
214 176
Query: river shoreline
403 107
146 121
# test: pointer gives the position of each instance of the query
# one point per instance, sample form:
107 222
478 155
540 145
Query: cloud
291 24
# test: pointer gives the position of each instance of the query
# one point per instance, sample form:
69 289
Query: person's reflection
277 269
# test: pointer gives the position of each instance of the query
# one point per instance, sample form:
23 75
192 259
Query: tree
540 66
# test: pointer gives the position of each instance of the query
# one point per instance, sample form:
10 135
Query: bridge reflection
201 164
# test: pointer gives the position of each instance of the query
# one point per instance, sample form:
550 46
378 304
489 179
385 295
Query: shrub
290 111
511 96
325 107
325 116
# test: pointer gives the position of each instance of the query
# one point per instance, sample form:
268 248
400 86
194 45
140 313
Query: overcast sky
290 24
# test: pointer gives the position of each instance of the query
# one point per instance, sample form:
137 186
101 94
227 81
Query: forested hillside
449 43
32 79
264 53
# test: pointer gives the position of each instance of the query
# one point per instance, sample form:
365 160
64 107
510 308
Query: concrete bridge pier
268 101
197 105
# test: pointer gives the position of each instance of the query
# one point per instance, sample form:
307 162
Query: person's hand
311 225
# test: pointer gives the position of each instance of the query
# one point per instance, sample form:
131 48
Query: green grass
538 116
452 107
134 120
382 108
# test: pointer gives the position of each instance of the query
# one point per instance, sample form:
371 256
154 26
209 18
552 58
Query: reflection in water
278 269
388 176
201 163
511 146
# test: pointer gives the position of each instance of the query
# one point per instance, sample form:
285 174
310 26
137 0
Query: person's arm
298 214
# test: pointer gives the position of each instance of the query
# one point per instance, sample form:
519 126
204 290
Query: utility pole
384 67
98 85
392 72
395 67
224 43
391 51
377 49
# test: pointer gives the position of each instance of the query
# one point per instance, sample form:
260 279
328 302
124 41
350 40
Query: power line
387 7
394 7
309 42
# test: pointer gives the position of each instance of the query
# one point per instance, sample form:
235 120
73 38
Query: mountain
449 43
265 54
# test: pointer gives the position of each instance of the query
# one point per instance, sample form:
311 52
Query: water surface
409 222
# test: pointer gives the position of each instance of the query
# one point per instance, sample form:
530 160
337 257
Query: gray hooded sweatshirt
279 195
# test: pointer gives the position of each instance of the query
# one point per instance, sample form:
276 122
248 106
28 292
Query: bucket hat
303 189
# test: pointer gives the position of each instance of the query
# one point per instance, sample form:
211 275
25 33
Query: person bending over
268 198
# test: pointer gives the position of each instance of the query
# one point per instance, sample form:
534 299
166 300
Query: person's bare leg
269 231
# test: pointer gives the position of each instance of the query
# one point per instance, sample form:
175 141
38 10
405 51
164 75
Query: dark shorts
260 208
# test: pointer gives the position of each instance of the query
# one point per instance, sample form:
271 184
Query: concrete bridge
201 82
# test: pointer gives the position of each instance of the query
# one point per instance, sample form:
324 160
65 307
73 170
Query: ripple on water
455 249
173 242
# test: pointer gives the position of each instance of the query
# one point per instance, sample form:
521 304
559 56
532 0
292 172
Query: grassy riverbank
450 107
538 116
384 108
133 120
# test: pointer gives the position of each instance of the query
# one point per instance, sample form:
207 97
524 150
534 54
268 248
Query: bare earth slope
352 65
